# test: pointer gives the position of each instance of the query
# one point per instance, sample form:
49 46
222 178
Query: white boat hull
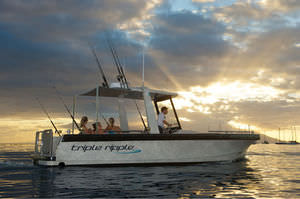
147 152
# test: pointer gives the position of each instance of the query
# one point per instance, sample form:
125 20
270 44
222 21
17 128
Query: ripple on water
269 171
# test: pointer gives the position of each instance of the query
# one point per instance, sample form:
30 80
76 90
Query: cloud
46 43
66 20
257 16
242 12
272 51
186 33
184 43
235 62
281 5
203 1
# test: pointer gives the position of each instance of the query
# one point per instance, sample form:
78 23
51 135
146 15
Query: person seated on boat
162 122
111 128
97 128
83 125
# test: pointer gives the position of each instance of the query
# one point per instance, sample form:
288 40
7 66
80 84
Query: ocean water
269 171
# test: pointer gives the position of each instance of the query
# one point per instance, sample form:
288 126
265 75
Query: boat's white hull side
147 152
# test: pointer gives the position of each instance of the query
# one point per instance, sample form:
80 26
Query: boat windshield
124 111
172 117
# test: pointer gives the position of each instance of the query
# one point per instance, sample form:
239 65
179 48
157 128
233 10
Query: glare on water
270 171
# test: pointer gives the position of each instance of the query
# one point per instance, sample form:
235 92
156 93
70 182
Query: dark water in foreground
270 171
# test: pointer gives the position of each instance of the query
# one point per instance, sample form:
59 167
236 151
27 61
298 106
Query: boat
139 147
291 142
288 142
136 147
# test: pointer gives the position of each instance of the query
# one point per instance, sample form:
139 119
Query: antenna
143 65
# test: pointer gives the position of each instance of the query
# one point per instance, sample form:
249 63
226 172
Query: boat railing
231 132
147 131
128 131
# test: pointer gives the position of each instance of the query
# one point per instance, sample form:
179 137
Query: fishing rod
123 77
126 83
105 120
138 109
45 111
120 77
120 67
62 100
121 71
105 83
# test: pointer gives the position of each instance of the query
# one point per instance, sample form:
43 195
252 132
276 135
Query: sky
235 64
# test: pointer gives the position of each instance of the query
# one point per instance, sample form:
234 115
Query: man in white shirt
161 121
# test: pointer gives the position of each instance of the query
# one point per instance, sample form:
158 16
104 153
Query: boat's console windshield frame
174 127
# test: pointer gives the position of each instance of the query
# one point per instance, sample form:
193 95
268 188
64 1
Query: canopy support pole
151 117
123 115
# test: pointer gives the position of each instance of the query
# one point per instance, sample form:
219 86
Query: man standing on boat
162 120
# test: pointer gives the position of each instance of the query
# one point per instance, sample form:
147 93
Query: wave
16 163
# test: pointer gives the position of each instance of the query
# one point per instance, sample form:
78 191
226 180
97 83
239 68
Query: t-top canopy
131 93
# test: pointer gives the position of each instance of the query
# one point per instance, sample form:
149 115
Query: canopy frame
131 93
139 93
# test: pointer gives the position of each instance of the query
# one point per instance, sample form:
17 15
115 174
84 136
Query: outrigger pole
105 82
45 111
62 100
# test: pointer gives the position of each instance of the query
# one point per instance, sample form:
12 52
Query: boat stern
45 148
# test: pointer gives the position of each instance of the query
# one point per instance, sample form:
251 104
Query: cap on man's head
163 109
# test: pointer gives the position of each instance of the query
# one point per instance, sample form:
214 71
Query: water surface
269 171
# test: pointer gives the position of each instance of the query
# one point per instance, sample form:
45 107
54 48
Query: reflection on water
269 171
